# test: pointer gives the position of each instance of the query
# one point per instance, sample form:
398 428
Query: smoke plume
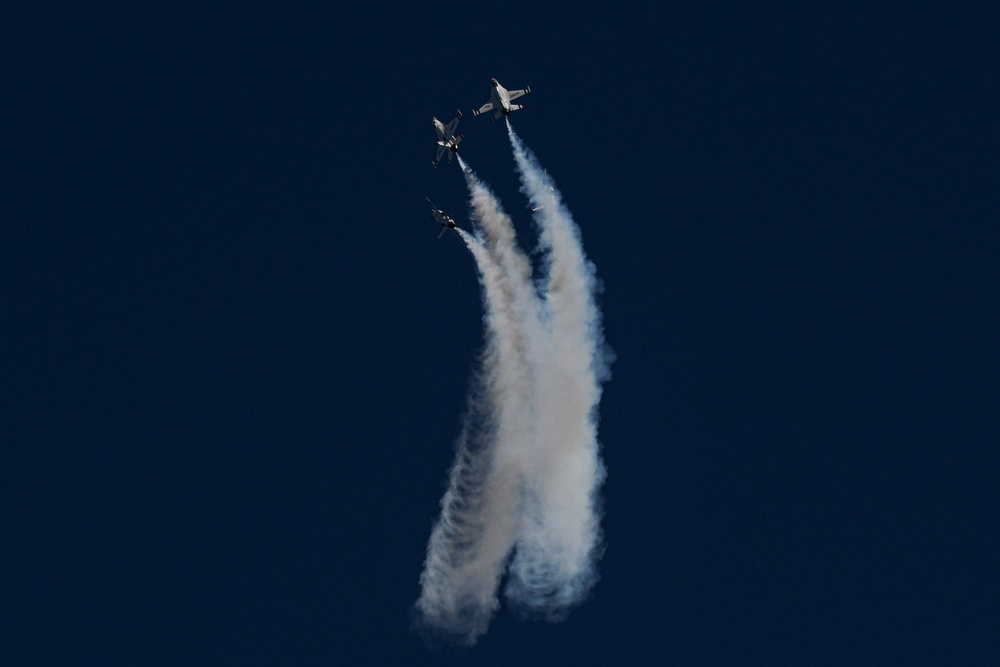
523 490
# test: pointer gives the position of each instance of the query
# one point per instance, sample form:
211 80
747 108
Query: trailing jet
446 221
447 141
500 99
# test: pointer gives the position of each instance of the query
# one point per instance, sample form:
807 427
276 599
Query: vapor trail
527 472
479 513
501 242
559 538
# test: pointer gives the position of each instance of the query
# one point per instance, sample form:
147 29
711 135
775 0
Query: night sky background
234 359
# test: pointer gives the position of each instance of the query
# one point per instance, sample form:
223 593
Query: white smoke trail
527 470
475 533
498 231
559 538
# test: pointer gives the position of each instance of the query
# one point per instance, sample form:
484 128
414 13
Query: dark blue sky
234 358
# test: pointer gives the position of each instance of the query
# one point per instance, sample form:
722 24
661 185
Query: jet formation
448 141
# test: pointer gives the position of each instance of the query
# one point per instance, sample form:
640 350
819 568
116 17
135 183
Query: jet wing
450 130
444 228
514 94
483 109
440 154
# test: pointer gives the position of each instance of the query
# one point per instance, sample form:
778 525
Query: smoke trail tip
437 636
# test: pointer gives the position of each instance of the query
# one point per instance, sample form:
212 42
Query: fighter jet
437 215
500 99
447 141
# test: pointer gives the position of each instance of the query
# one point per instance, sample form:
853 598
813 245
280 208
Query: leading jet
446 221
500 99
447 140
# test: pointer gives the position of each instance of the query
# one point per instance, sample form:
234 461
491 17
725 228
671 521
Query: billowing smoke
559 537
523 490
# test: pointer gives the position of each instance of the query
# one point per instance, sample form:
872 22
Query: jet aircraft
447 140
437 215
500 99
